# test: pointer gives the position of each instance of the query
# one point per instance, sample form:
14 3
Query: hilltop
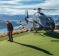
28 44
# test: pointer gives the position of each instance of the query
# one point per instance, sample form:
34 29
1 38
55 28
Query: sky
12 7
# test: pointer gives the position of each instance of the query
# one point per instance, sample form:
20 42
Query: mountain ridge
16 18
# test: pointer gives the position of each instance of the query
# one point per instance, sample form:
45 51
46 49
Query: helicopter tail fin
27 16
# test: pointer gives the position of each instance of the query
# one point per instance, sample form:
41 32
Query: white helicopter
41 21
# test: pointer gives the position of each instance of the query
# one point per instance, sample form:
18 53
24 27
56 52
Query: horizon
28 13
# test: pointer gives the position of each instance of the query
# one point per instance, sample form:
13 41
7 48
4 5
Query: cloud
12 7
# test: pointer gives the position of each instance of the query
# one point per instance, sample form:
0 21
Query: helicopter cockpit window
51 19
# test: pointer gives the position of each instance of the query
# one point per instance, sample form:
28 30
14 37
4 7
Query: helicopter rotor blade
37 9
45 9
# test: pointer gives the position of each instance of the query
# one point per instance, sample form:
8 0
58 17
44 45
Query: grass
16 35
29 44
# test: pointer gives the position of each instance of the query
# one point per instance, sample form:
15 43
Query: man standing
10 30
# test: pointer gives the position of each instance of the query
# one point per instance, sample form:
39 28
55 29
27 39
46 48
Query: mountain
16 18
57 21
9 17
56 18
3 24
13 17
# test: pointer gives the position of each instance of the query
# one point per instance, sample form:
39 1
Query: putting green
31 45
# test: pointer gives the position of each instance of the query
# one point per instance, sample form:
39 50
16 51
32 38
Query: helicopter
41 21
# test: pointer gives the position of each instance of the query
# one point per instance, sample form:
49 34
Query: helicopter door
35 24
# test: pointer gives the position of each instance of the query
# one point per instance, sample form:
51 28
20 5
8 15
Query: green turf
29 44
16 35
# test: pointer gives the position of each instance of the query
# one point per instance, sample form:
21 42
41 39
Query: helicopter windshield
41 18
